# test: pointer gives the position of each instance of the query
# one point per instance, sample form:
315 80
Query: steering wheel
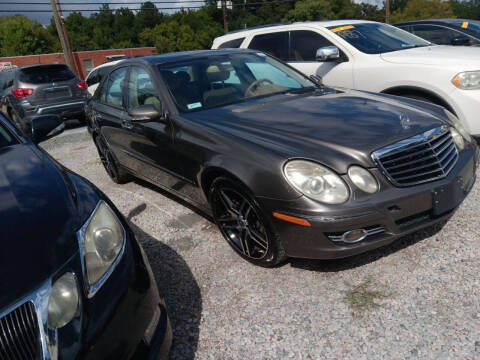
253 86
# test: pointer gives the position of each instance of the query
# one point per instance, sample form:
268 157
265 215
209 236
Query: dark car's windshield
46 74
214 81
6 138
375 38
471 25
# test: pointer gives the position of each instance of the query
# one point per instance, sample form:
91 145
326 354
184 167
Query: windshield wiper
299 91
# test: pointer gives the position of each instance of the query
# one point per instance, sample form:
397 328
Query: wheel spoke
228 203
258 238
244 241
228 222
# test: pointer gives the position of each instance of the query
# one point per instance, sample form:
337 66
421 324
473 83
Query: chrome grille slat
19 334
426 157
408 155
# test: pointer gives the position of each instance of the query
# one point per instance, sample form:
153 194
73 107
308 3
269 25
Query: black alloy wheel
243 225
115 173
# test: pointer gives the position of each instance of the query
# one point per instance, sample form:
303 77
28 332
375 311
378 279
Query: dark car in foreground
75 282
457 32
286 166
30 91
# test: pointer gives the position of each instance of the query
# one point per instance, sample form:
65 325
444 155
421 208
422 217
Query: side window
275 44
262 70
231 44
114 87
304 45
437 34
141 90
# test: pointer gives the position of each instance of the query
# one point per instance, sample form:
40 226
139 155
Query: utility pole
62 36
387 11
224 10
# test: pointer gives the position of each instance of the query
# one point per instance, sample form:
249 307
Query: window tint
141 90
275 44
376 38
232 44
46 74
229 79
113 93
6 138
438 34
304 45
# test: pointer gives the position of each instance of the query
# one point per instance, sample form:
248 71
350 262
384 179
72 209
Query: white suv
374 57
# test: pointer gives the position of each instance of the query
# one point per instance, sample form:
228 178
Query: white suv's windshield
375 38
214 81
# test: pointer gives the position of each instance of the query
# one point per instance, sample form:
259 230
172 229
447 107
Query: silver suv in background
30 91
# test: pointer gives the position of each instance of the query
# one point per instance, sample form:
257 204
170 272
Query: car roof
38 66
429 21
325 23
184 55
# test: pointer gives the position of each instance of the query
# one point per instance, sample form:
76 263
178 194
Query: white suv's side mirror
328 53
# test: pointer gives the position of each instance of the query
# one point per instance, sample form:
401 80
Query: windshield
471 25
214 81
46 74
375 38
6 138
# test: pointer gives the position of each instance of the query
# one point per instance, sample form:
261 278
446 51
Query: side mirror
146 113
460 41
328 53
45 127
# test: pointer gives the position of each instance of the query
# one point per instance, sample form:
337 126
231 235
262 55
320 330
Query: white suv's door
299 47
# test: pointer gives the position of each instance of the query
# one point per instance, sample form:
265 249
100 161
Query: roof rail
256 27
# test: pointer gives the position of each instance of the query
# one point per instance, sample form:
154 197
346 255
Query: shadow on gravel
367 257
178 286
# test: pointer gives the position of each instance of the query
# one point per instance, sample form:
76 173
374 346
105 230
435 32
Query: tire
243 223
114 171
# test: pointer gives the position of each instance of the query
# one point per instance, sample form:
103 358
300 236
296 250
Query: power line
103 3
138 9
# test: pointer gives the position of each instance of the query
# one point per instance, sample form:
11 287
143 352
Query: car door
303 48
109 111
151 143
298 48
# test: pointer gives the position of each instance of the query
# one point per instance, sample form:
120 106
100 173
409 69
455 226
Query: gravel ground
416 299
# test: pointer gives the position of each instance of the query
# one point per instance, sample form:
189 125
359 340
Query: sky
44 17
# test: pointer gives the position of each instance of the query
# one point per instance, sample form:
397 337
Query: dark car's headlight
459 133
63 301
363 179
316 181
102 242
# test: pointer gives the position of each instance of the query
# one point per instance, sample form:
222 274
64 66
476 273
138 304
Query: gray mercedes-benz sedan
284 165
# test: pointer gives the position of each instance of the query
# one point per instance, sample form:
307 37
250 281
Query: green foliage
22 36
466 9
196 29
423 9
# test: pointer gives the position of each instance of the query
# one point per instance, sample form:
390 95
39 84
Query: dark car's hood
38 218
337 129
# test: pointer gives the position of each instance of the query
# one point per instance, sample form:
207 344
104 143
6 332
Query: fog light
354 236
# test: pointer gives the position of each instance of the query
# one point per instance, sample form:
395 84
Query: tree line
196 29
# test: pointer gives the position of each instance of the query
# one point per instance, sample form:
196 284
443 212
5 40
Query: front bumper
466 104
390 214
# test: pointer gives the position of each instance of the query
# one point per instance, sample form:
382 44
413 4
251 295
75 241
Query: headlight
458 126
457 139
469 80
363 179
316 181
63 301
102 241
